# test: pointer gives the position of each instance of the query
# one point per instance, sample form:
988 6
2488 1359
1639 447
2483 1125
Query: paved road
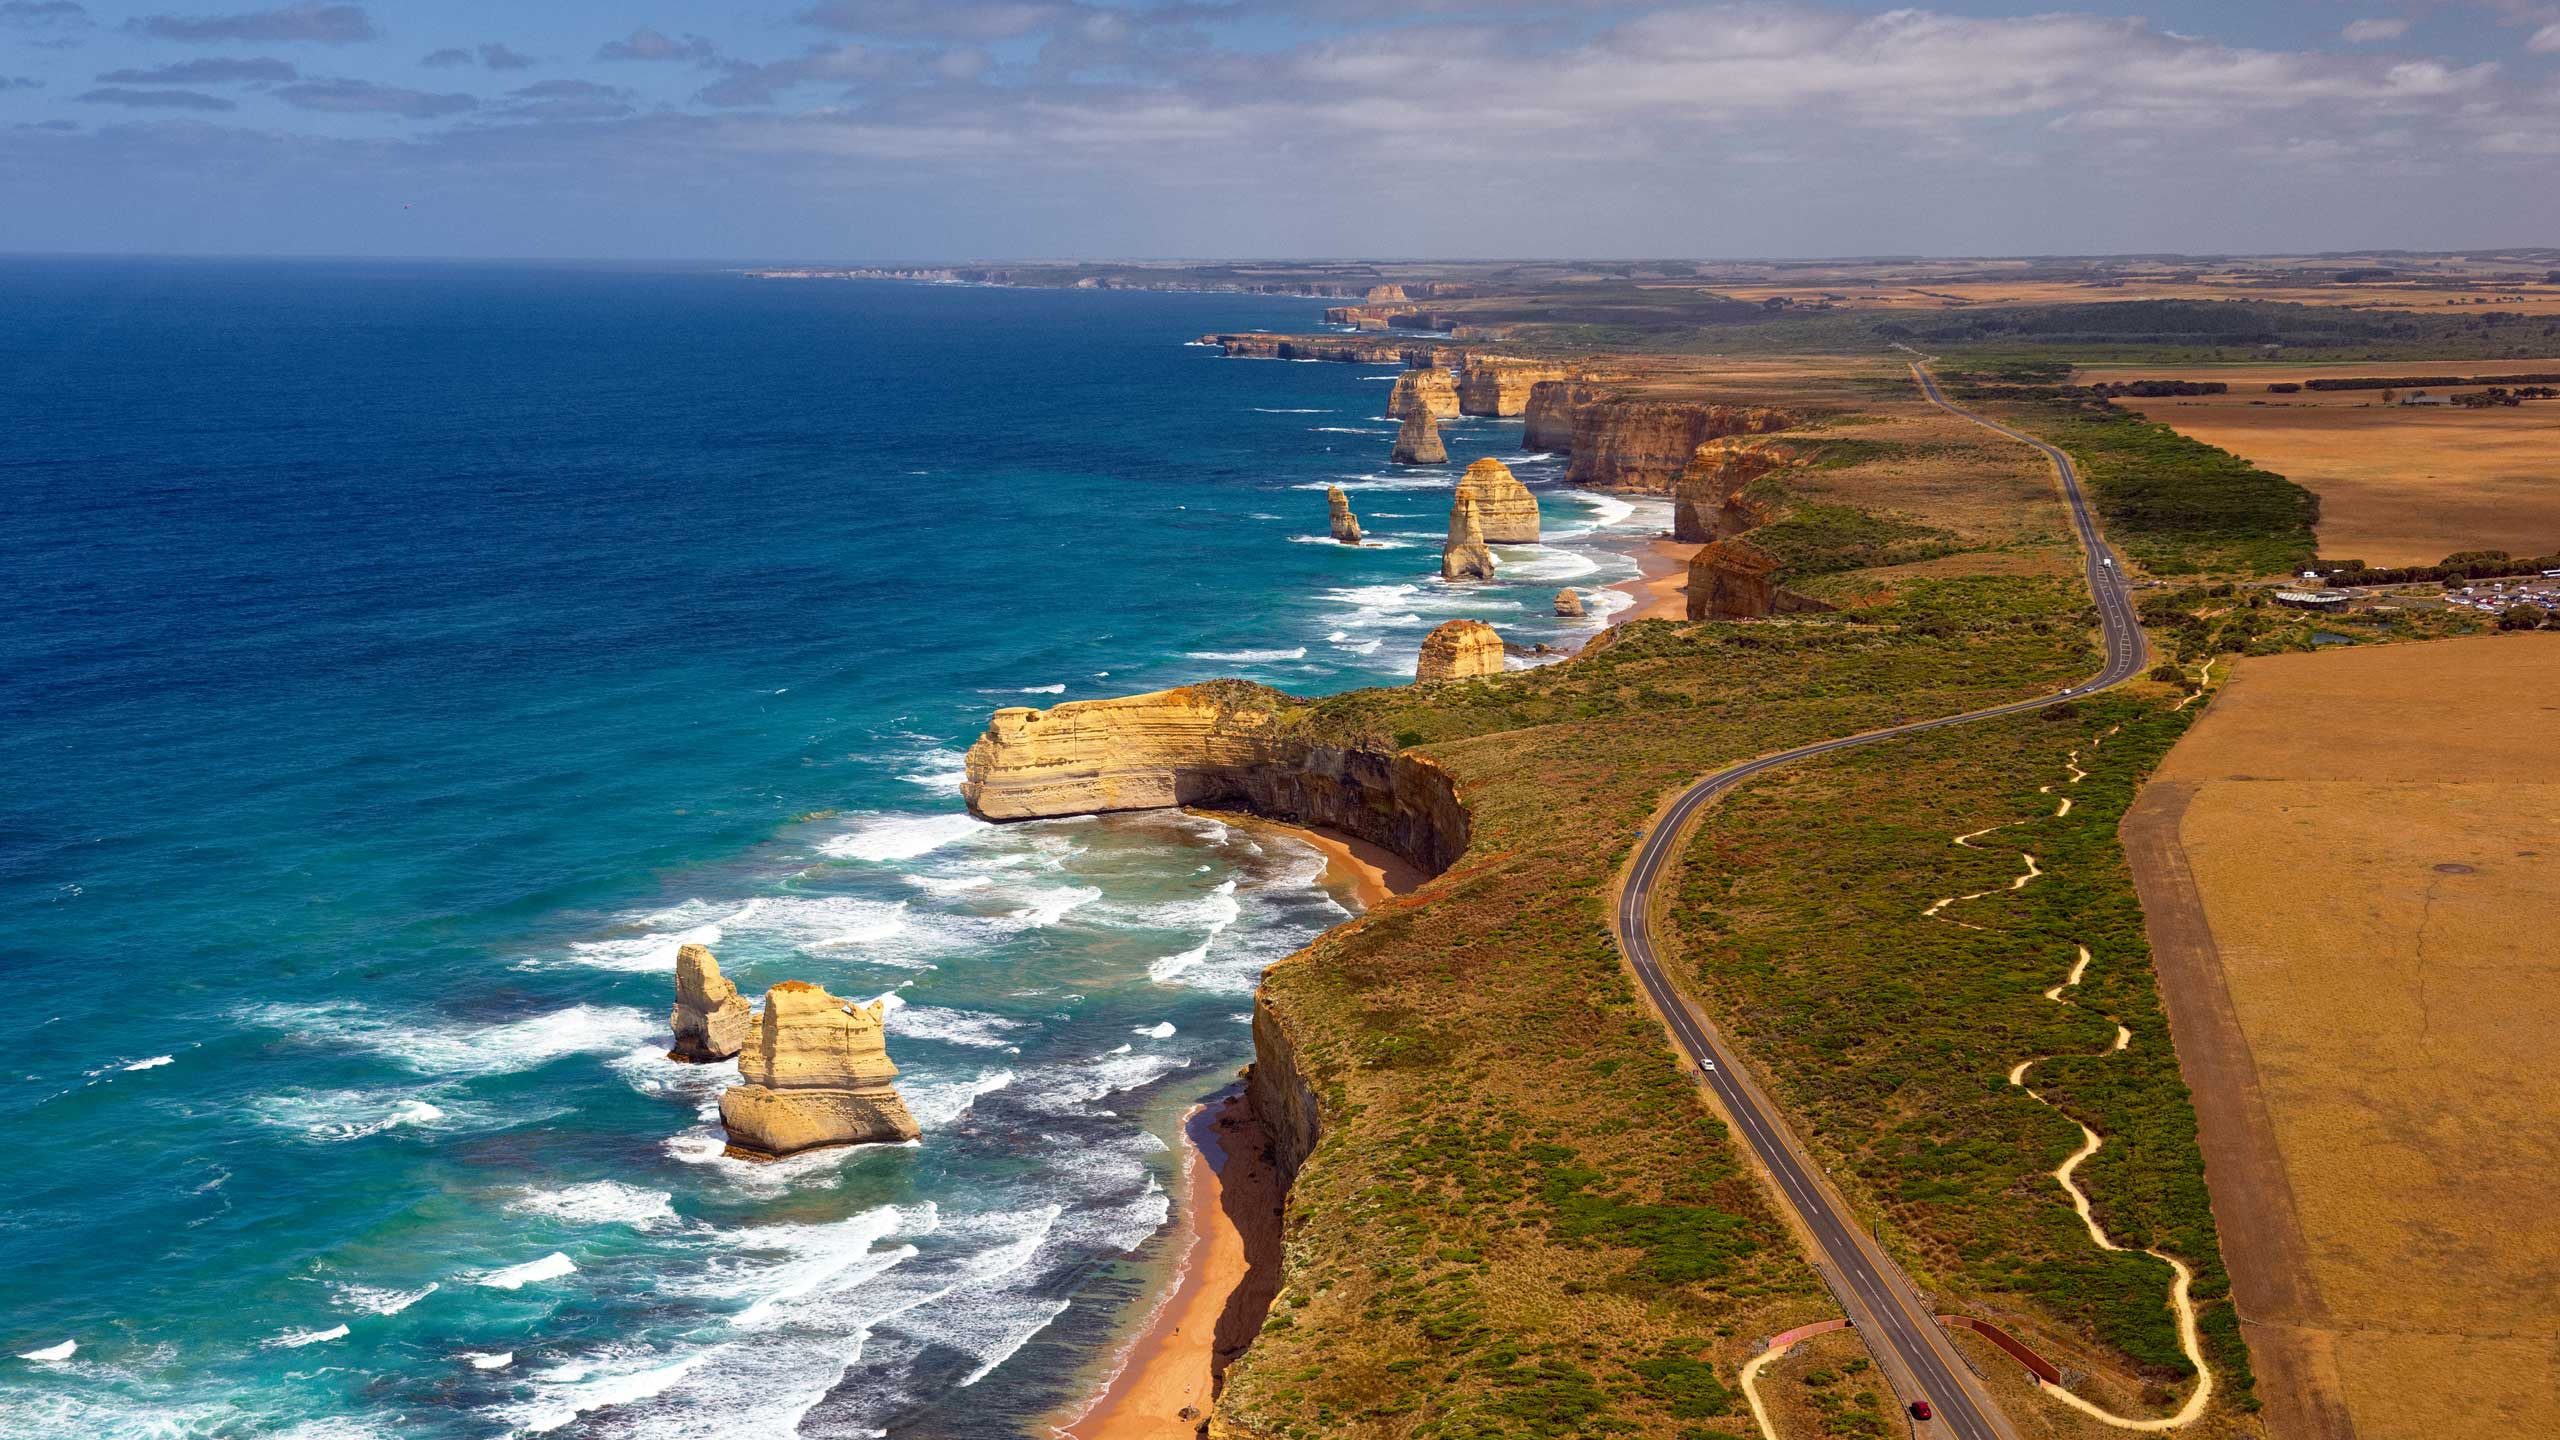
1910 1346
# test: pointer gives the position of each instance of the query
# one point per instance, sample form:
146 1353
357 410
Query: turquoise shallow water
400 661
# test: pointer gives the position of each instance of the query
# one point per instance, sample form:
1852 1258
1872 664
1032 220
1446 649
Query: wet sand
1364 870
1659 592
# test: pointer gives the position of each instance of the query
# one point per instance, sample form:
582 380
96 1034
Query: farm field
2397 486
2348 868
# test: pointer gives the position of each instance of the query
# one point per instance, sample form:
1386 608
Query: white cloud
2367 32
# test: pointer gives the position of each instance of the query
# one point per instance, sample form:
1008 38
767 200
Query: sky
890 131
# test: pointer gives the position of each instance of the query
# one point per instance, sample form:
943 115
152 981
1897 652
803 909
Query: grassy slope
1522 1221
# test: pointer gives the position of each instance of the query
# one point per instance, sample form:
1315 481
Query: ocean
399 661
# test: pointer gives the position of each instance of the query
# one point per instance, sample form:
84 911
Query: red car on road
1920 1410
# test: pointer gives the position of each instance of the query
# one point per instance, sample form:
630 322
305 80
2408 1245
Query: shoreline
1166 1382
1370 873
1661 591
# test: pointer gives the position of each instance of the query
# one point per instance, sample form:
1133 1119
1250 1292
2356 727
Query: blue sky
881 130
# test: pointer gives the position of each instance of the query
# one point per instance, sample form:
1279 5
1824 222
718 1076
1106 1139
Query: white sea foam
52 1354
1171 967
379 1299
1367 542
452 1048
1543 563
1048 907
829 922
516 1277
601 1202
153 1063
946 886
1072 1088
488 1359
296 1339
1161 1030
565 1392
1351 430
939 1103
331 1115
1248 656
902 837
1042 690
952 1026
1268 410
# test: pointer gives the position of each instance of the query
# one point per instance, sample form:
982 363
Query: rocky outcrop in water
1428 389
1546 422
710 1017
1645 445
1418 442
1463 555
1346 526
1569 605
1737 580
816 1072
1505 509
1385 295
1500 384
1708 503
1459 650
1354 349
1226 744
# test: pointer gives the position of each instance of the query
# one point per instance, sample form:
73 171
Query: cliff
1500 384
1225 744
816 1072
1645 445
1707 502
1459 650
1353 349
1737 580
1505 509
1546 422
1428 389
1463 555
1418 442
1346 526
710 1018
1280 1095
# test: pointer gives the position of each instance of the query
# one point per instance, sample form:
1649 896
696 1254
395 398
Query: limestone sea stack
1458 650
1504 506
1569 605
1426 388
1418 443
710 1019
1463 555
1346 526
817 1073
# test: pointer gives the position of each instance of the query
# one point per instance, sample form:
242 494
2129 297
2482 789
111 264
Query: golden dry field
2397 485
2374 838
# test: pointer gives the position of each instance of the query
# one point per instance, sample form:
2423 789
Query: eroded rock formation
1355 349
1428 388
1385 295
1645 445
1418 442
1546 423
1707 502
1224 744
816 1072
1346 526
1458 650
1505 509
710 1018
1737 580
1463 555
1500 384
1569 605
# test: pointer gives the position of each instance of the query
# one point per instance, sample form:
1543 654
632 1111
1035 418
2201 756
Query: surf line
2182 1279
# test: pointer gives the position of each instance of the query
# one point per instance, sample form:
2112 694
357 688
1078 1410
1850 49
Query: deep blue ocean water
397 662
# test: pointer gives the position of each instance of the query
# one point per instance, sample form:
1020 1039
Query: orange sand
1662 591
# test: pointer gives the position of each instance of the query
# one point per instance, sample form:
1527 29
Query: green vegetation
1522 1220
1889 1034
1811 540
2178 505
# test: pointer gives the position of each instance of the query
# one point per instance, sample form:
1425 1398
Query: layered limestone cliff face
1505 509
816 1072
1459 650
1546 422
1707 502
1463 555
1354 349
1418 442
1346 526
1280 1095
1645 445
1429 389
711 1018
1386 295
1569 605
1500 384
1222 745
1737 580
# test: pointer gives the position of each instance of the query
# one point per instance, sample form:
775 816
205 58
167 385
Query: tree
2523 617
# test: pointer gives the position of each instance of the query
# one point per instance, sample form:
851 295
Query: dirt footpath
2350 869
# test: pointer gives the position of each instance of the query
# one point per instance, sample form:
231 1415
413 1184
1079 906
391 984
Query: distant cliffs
1354 349
1428 389
1547 417
1496 385
1708 503
1645 445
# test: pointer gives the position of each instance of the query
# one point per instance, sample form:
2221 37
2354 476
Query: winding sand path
2183 1278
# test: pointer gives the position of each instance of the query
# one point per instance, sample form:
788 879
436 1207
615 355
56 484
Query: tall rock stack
1426 387
1346 526
1569 605
1504 506
1463 555
710 1018
1458 650
1418 443
1707 501
817 1073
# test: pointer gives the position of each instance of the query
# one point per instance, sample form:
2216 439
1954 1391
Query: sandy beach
1659 594
1366 872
